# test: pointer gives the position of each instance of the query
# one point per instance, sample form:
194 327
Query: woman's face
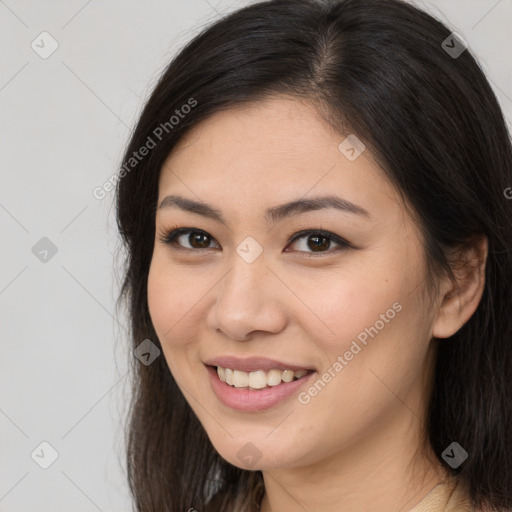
350 307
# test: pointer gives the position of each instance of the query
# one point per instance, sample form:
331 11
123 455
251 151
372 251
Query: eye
195 238
317 240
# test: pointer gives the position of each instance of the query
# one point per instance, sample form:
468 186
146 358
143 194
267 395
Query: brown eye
312 242
188 238
318 241
199 240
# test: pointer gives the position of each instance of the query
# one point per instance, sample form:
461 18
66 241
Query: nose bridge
246 299
246 283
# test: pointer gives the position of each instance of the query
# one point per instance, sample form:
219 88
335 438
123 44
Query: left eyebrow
273 214
298 206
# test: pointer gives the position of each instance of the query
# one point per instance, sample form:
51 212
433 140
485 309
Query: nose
248 300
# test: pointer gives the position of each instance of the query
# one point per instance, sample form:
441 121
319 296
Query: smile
259 379
252 389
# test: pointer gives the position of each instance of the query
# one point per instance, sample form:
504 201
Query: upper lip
251 364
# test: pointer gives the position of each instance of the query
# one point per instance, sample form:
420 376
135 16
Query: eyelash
169 237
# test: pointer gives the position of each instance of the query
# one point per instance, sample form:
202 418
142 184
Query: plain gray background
64 122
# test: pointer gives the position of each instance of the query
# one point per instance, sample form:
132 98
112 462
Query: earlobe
460 297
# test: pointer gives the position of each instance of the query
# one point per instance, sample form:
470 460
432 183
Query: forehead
270 151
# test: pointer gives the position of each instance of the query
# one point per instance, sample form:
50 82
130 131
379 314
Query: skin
357 444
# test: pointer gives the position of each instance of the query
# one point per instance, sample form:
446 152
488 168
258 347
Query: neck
380 472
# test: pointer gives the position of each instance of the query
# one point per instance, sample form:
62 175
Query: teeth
241 379
287 376
274 377
258 379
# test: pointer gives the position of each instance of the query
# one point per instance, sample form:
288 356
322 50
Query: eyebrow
272 215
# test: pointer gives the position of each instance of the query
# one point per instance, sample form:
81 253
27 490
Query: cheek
379 351
172 303
161 298
371 312
340 304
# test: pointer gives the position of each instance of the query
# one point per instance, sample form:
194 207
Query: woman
319 243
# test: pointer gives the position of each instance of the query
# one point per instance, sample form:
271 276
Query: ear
460 298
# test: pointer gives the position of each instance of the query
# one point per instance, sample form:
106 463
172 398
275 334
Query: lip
251 364
249 400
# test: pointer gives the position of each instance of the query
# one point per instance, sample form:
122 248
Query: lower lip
253 400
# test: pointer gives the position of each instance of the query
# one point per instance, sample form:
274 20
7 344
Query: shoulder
448 496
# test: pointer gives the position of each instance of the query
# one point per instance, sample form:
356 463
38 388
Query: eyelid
169 236
319 231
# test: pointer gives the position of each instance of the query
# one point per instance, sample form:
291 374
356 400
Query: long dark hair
378 69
